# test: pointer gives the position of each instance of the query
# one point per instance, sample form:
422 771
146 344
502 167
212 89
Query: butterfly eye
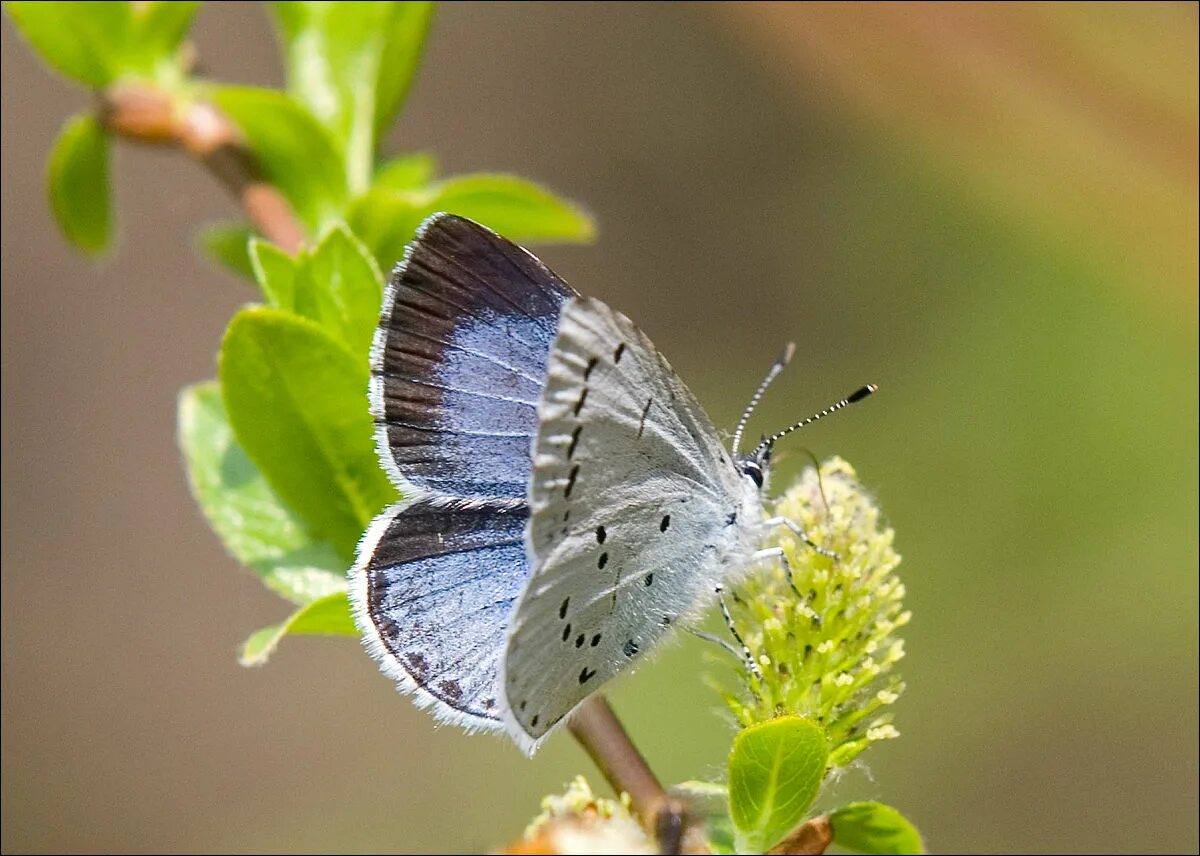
754 471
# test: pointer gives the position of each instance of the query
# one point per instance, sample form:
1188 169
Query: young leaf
256 528
871 827
775 771
385 221
328 616
403 44
297 401
294 152
160 26
406 172
275 272
84 41
520 210
227 245
340 287
342 59
514 207
77 182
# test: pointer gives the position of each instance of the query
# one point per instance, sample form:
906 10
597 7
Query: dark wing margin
432 590
459 360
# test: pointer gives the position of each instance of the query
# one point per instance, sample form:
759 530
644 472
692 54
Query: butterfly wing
634 502
459 360
457 367
432 591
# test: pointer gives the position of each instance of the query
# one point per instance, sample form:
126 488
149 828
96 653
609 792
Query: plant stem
811 837
146 114
602 736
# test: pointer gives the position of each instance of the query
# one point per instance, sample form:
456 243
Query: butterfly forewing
634 503
459 359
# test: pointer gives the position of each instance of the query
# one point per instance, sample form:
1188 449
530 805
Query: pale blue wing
459 360
432 591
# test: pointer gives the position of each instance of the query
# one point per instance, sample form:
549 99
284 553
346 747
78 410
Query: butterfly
566 500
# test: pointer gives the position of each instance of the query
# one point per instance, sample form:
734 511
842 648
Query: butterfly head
755 466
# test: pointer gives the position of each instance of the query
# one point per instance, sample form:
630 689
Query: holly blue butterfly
567 501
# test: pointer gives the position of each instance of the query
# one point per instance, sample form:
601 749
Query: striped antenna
780 364
854 397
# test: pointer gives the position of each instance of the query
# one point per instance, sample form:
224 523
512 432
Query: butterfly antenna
780 364
854 397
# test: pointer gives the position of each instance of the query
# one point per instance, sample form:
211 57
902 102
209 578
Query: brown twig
811 837
145 114
603 737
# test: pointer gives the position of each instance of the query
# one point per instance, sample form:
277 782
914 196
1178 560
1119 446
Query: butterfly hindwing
633 505
432 592
459 359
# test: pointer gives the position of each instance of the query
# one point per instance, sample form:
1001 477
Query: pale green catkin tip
826 654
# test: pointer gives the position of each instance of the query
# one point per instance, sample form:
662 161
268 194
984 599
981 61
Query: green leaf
327 616
82 40
297 401
721 834
520 210
160 27
77 182
340 287
293 150
345 62
256 528
514 207
402 48
275 273
385 221
775 771
227 245
406 172
871 827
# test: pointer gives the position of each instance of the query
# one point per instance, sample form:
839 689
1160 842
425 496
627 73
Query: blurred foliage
280 451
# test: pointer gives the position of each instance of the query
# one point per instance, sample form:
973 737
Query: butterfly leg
778 553
799 533
716 640
749 658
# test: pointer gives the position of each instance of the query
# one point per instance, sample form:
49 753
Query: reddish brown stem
811 837
145 114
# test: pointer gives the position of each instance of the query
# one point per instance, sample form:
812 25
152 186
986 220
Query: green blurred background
990 210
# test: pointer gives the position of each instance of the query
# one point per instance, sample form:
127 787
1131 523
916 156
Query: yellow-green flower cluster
825 647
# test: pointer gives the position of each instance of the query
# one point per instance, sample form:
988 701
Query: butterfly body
567 501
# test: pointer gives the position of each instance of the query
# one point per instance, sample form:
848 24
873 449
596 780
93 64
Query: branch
811 837
602 736
145 114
